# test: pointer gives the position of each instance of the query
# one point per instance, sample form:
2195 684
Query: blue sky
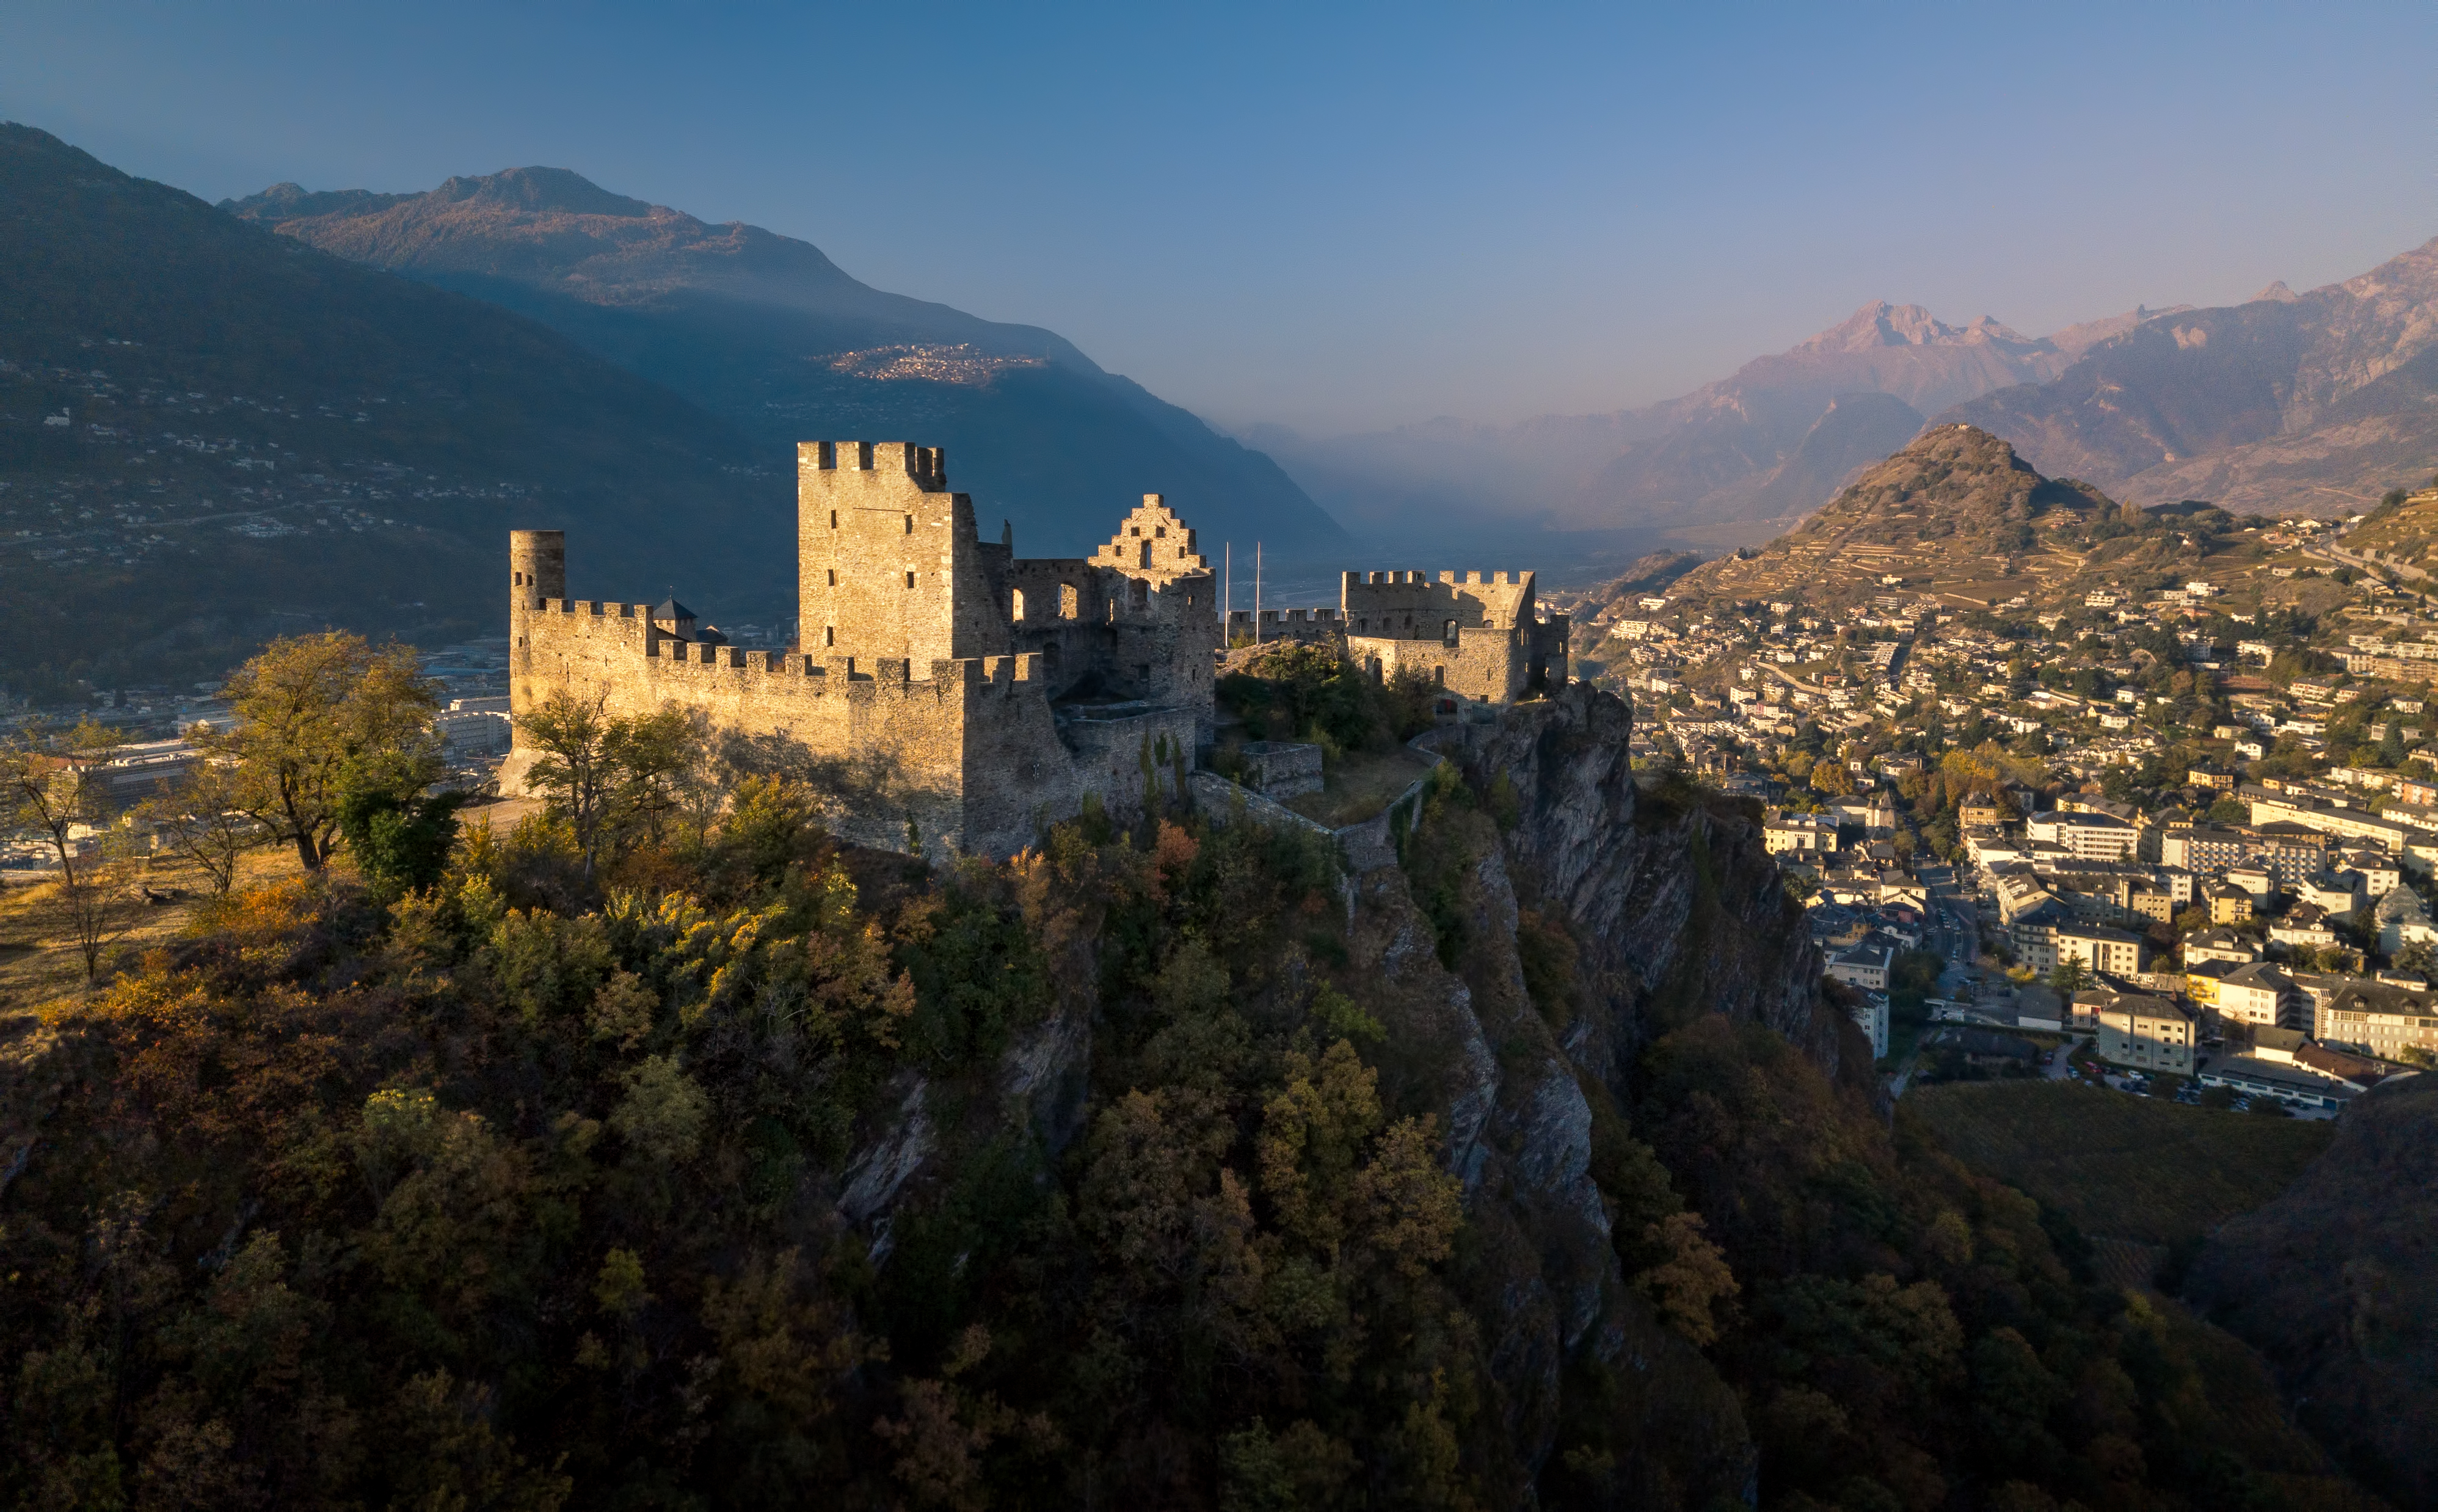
1344 216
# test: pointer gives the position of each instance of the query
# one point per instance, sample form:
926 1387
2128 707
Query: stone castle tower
940 686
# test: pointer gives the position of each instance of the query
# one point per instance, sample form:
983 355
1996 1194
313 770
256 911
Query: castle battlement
926 465
928 661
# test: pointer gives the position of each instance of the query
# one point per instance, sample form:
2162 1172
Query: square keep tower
887 560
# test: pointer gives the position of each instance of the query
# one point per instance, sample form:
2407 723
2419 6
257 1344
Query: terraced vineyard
2121 1166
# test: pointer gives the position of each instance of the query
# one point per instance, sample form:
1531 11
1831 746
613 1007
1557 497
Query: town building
2379 1021
2148 1033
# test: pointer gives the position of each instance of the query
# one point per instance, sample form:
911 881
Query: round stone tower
536 568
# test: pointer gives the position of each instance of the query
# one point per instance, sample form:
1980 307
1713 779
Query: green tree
401 835
608 775
2070 976
308 708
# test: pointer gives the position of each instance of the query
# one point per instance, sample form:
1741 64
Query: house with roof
2099 948
1865 965
2219 944
2148 1033
2401 918
2377 1019
2228 903
2259 994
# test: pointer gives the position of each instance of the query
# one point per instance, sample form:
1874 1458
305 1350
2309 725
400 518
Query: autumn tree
205 822
48 785
306 707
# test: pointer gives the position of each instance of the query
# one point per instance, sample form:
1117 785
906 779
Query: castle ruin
948 693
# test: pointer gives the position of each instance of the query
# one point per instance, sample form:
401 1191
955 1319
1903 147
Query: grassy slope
2128 1167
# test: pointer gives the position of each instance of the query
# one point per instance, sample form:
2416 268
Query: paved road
1955 933
2354 559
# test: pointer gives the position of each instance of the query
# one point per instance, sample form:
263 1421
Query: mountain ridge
2317 401
1718 453
768 333
209 434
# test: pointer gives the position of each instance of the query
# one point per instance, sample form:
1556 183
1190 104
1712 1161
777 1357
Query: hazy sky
1353 216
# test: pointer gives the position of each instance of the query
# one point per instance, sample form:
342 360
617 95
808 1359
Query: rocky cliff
1547 921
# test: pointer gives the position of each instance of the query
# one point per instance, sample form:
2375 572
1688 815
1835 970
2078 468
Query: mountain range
2312 403
1774 439
2316 403
768 334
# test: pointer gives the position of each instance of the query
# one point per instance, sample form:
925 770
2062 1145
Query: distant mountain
209 433
1772 441
766 332
1857 431
2316 402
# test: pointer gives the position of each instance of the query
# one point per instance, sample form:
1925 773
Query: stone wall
1490 665
917 699
1413 604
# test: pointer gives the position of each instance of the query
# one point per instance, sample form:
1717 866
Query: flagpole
1257 592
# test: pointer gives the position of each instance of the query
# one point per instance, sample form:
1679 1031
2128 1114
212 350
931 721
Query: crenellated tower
888 559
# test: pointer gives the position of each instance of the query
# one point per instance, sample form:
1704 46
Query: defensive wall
1316 627
940 683
1474 633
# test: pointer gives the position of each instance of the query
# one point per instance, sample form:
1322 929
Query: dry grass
1363 785
2125 1167
39 965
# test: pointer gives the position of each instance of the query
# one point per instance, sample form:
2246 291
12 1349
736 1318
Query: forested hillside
210 434
1170 1166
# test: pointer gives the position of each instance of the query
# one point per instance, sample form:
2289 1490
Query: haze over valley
943 758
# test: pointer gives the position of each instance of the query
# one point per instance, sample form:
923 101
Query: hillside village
2042 767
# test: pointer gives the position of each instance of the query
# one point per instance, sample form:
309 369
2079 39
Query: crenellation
1045 680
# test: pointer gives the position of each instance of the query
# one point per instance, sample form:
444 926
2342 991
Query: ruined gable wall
1152 542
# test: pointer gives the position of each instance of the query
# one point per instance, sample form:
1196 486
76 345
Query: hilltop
1959 514
209 433
768 333
2319 401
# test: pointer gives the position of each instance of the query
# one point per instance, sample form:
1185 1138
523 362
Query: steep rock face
1677 910
1543 1280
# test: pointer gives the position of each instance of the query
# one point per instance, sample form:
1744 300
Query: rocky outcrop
1675 910
1675 906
